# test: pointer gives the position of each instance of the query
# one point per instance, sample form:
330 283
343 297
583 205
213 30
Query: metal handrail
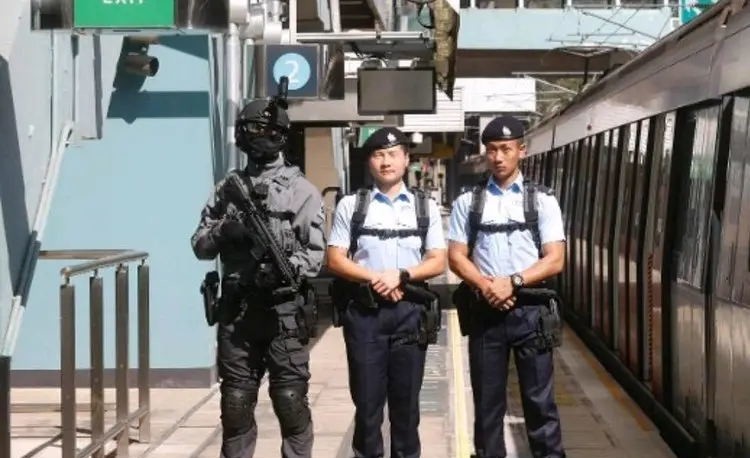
97 260
101 259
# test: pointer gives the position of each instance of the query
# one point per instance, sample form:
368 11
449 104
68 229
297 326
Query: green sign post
131 14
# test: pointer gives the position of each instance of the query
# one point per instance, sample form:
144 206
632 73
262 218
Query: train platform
598 418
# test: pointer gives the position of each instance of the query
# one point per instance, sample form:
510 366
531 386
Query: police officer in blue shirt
500 254
398 241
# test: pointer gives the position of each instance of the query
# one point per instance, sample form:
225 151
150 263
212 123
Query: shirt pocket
368 245
484 241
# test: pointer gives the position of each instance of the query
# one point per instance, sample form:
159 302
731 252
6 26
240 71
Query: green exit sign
130 14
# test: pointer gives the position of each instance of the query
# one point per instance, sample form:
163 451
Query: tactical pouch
549 329
464 299
363 296
431 321
210 290
230 303
309 311
550 324
339 291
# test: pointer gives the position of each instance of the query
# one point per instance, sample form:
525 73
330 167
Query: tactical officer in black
263 325
506 239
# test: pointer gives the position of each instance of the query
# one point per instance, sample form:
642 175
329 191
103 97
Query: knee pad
290 406
237 406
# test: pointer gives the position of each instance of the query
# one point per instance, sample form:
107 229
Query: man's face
503 157
388 165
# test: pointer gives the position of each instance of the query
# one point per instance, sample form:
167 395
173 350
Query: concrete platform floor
598 418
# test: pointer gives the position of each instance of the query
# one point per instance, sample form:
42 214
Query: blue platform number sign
293 66
299 63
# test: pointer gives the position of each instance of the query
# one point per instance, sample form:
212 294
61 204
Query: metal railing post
121 351
68 369
144 364
96 326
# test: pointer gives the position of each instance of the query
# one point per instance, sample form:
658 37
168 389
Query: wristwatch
404 276
517 281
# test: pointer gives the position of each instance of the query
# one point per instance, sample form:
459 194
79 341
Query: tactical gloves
232 238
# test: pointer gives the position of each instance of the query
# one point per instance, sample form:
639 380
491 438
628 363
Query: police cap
502 128
385 137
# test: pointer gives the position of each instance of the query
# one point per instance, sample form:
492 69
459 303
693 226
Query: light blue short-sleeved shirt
503 254
384 213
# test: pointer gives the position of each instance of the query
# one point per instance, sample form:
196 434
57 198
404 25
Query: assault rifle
262 238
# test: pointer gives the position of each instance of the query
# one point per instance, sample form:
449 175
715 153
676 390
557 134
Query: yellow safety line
461 434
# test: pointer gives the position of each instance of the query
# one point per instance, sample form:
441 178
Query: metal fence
120 431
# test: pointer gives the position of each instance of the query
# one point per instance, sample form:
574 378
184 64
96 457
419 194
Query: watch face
517 280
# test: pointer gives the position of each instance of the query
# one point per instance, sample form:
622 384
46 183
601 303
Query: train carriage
651 166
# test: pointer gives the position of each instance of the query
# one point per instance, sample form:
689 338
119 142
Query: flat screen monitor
389 91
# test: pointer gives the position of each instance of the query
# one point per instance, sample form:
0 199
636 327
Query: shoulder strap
475 214
530 213
361 204
422 209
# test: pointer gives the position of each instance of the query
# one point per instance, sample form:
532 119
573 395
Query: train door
652 255
570 184
731 294
694 166
623 221
577 232
598 231
587 249
615 202
634 285
562 195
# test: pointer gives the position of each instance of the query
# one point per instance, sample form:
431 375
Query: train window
734 262
701 150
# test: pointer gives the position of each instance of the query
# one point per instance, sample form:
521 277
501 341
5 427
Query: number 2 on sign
293 74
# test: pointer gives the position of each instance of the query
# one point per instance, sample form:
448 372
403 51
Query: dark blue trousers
385 362
490 344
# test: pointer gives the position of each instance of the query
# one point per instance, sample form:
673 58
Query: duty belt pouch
550 324
363 296
431 321
339 291
464 300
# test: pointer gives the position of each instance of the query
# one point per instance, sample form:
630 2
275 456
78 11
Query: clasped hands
498 291
388 285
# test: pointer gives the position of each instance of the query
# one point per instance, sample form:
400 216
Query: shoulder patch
286 175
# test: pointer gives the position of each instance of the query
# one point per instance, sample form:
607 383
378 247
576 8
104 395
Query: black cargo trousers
254 337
